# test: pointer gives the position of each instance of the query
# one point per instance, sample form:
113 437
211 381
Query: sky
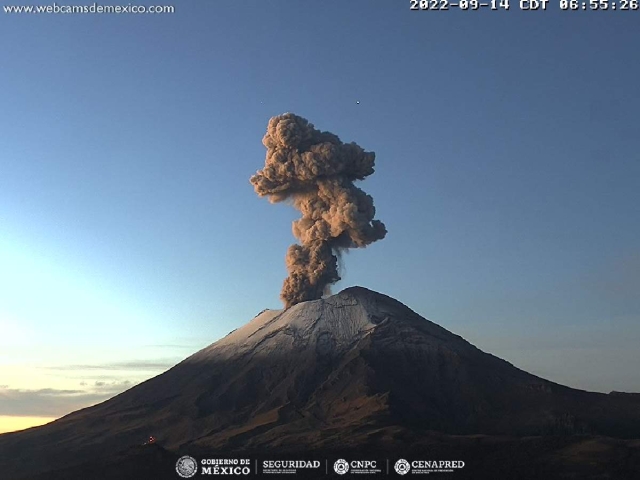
507 174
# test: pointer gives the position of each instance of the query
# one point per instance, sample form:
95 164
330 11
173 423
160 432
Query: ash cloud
315 172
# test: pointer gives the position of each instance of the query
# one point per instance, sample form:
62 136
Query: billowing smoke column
315 171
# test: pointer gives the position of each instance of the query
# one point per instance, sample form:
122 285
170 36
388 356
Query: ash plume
315 171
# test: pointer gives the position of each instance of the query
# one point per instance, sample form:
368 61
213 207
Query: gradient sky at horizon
507 173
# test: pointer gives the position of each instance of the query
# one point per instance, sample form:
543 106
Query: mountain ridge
358 369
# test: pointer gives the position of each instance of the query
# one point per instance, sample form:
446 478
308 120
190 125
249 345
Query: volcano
354 372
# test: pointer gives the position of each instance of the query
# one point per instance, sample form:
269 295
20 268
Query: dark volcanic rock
355 371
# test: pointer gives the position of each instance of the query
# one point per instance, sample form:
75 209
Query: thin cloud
52 391
115 387
47 402
133 365
89 377
171 345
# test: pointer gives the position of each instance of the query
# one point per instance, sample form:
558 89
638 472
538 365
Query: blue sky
507 174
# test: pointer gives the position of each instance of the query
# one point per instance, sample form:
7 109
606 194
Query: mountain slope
355 369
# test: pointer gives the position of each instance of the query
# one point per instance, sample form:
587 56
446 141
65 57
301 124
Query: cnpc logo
342 466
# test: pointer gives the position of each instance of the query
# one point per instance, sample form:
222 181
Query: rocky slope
355 370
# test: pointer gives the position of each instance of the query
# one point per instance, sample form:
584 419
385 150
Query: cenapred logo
341 466
186 466
402 467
